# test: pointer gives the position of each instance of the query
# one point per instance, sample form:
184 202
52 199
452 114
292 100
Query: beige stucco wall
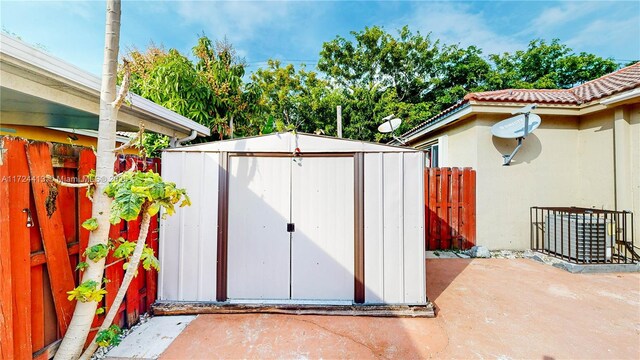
595 161
635 167
568 161
543 173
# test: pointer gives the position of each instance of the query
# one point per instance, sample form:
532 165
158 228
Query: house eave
47 70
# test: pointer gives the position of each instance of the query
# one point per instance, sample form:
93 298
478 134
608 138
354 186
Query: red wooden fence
450 204
37 263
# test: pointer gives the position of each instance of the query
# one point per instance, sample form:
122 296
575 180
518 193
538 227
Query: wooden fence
40 247
450 201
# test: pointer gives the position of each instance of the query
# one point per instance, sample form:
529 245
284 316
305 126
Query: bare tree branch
67 184
132 141
124 88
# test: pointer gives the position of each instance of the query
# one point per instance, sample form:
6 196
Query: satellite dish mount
517 127
390 125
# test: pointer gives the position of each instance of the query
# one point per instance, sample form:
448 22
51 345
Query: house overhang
472 107
37 89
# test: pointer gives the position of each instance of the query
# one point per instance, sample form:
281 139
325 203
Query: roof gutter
439 121
622 97
175 142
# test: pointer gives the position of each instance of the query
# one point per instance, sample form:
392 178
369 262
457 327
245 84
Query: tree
546 66
84 312
295 99
210 91
121 197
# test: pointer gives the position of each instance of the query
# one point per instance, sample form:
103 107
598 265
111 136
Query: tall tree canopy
210 90
371 74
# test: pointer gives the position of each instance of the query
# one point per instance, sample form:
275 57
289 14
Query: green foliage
546 66
149 259
97 252
371 73
124 250
87 291
100 310
109 337
90 224
132 191
154 143
209 90
294 99
82 265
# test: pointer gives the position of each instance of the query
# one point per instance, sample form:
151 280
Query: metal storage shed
295 219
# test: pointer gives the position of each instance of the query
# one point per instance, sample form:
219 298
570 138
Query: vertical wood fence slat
59 267
450 208
86 163
152 276
471 232
6 301
16 160
455 209
433 215
133 292
37 282
466 204
443 209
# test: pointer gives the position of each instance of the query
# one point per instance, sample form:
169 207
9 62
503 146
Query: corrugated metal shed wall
393 221
188 240
394 228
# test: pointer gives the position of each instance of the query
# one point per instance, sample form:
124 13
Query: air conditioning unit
580 237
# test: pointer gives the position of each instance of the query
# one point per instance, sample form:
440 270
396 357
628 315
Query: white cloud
237 20
557 16
611 35
456 23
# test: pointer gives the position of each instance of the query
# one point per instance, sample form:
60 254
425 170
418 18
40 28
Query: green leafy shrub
133 190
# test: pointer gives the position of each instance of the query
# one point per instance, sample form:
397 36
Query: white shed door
315 261
258 243
322 246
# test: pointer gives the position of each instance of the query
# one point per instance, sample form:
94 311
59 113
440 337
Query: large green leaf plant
134 194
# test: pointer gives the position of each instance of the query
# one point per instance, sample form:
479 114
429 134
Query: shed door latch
291 227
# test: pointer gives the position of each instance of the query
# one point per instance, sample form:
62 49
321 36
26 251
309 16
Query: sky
294 31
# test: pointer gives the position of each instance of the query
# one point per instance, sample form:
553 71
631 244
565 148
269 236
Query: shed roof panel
288 142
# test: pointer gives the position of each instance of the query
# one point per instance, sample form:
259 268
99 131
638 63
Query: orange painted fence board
52 232
20 247
37 264
6 300
450 213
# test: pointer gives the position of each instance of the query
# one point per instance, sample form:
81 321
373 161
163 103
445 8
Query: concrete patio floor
486 308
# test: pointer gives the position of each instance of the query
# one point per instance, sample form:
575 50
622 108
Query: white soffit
18 53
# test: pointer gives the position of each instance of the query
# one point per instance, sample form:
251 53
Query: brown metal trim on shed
359 287
223 216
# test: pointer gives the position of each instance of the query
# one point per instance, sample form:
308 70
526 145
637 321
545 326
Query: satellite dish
389 125
513 127
517 127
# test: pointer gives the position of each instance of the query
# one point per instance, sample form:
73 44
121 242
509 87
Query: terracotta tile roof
538 96
618 81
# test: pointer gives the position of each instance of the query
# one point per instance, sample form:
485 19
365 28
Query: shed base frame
192 308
